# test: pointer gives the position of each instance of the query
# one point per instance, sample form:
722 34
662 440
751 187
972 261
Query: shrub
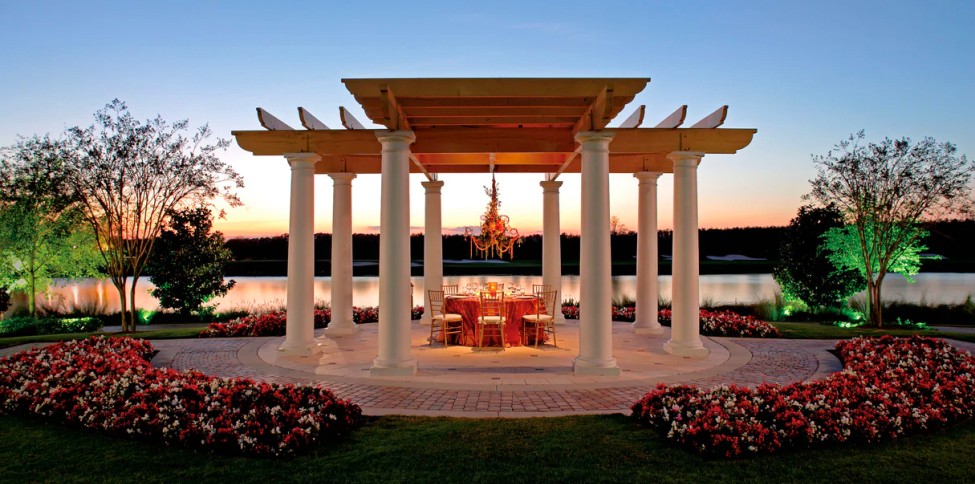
28 326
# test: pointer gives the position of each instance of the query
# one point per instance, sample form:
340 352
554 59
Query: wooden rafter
309 121
714 119
271 123
348 120
675 119
392 114
636 119
599 113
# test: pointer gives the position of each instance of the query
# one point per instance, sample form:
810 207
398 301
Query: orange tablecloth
514 308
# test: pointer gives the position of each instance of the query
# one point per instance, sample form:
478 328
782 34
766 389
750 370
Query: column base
299 349
404 368
648 330
587 368
560 318
698 351
346 329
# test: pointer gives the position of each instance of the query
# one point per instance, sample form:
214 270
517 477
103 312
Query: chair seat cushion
490 319
453 318
540 318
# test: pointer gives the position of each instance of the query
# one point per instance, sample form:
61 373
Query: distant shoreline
257 268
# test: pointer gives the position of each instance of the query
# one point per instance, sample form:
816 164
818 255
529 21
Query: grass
607 448
165 333
822 331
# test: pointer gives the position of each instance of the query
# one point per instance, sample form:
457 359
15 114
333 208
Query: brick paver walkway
768 361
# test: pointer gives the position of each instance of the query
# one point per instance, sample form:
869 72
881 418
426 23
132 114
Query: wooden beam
635 119
493 140
309 121
714 119
476 111
270 122
594 118
393 117
494 120
348 120
657 140
323 142
372 164
496 87
675 119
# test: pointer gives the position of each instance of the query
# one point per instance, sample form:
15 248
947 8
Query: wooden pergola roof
504 125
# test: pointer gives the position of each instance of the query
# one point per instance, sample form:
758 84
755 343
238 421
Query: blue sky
805 74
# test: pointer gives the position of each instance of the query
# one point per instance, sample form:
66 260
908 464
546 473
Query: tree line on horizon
949 238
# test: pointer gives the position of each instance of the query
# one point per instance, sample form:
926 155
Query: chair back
547 303
436 302
450 289
492 306
540 288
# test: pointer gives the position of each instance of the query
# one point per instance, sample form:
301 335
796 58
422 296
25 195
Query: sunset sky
805 74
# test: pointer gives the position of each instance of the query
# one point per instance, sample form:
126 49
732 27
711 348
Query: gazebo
545 126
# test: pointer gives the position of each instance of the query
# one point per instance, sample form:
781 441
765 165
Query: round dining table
469 307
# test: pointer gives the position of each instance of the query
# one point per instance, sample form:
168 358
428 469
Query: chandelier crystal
496 237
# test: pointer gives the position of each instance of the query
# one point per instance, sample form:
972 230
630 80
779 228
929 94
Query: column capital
400 140
603 137
549 186
302 160
342 177
686 158
432 186
647 176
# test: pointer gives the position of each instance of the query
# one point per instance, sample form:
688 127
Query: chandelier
496 236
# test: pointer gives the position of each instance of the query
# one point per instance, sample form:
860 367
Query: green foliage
27 326
42 231
804 272
868 254
188 261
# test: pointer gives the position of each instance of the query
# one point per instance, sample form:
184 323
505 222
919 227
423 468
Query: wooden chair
543 320
540 288
450 289
492 315
449 323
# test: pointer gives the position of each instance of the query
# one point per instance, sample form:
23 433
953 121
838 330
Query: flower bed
889 387
713 323
274 323
727 323
108 383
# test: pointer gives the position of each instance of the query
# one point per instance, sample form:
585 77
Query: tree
42 233
188 261
842 244
887 189
129 176
805 272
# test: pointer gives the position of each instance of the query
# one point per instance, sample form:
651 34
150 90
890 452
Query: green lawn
411 449
164 333
821 331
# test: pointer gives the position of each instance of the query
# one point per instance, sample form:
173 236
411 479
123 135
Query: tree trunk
876 308
135 316
123 308
31 295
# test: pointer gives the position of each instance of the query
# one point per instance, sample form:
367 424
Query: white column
595 298
300 327
432 243
685 336
341 324
395 356
552 242
646 256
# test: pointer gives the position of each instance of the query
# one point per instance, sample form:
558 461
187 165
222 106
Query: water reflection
251 292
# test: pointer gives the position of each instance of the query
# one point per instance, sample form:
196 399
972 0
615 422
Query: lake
255 292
